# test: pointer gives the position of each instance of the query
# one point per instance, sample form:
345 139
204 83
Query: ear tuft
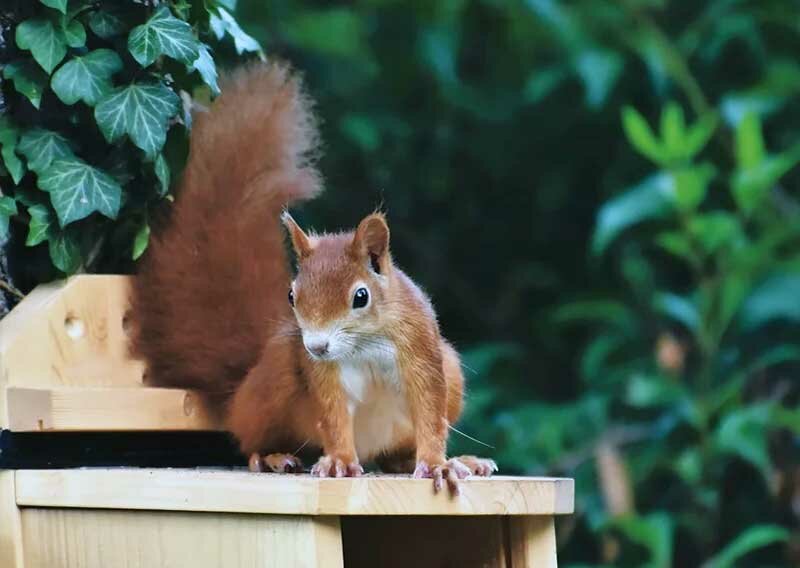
371 240
301 243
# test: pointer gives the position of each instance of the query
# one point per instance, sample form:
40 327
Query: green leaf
204 64
677 244
77 190
8 207
649 200
40 147
222 22
747 541
43 40
106 24
673 125
60 5
691 185
699 134
653 532
749 142
598 70
163 34
9 137
161 168
752 184
679 309
606 312
39 226
141 240
743 432
73 32
139 110
716 230
641 136
65 253
29 80
776 298
645 391
86 78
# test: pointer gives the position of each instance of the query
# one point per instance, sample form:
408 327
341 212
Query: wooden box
64 367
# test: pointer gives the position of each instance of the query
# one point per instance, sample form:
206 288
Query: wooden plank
532 542
70 333
240 491
10 524
64 538
106 408
423 542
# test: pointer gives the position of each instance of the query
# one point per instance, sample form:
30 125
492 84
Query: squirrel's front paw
482 467
278 463
451 471
329 466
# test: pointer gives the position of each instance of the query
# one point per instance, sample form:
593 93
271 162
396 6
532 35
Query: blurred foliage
601 197
95 100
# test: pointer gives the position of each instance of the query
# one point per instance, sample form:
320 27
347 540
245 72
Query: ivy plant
97 99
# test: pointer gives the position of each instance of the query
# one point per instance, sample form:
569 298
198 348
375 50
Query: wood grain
75 538
106 409
239 491
70 333
532 542
10 524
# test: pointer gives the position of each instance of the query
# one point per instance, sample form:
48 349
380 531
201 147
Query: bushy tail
212 286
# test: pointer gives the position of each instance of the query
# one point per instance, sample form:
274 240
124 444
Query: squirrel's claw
278 463
482 467
451 472
328 466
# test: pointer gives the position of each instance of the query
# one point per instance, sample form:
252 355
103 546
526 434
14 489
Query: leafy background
601 196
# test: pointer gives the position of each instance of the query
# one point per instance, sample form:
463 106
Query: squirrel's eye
360 298
291 298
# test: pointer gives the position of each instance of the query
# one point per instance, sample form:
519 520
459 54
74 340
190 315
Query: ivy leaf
204 64
163 34
40 147
87 77
8 207
29 80
141 111
78 189
43 40
65 253
140 241
39 226
161 168
222 22
60 5
9 136
73 32
106 24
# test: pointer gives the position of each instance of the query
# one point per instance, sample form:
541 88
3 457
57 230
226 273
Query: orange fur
211 311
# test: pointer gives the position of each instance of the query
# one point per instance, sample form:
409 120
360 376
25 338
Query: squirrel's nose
318 349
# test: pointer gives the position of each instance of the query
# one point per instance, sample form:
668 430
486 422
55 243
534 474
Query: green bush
97 98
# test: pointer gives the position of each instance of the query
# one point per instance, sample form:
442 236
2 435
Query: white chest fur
376 401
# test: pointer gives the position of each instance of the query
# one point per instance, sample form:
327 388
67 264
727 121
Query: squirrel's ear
300 241
372 241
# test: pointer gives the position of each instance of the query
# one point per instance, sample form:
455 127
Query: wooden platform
104 518
71 395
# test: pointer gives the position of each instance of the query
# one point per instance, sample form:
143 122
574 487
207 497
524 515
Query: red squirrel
352 361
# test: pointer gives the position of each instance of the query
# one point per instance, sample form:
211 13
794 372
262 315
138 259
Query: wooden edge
106 409
10 523
244 492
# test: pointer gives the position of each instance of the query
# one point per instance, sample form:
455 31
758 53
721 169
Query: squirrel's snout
318 349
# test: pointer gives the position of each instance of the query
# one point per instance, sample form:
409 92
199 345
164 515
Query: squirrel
351 362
